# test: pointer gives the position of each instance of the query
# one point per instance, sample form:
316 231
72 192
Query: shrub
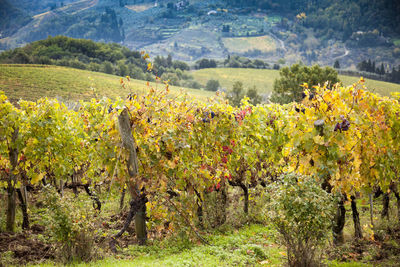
171 77
255 98
212 85
191 84
77 64
302 213
71 227
236 94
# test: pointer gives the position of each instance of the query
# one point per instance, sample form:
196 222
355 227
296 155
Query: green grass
264 79
31 82
380 87
251 245
248 246
396 42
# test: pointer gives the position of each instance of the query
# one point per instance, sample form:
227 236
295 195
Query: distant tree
336 65
107 67
160 62
169 61
234 63
288 88
180 65
255 98
21 57
369 66
226 28
236 94
382 70
171 78
122 69
212 85
170 5
259 64
149 77
94 66
362 66
206 63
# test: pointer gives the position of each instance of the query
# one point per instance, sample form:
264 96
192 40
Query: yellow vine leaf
37 178
319 140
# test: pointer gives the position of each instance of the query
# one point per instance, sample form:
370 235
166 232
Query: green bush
212 85
171 78
71 227
302 213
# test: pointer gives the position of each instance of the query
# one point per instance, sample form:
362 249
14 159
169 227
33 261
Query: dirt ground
25 246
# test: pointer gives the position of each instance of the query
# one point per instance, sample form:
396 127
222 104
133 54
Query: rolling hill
264 79
31 82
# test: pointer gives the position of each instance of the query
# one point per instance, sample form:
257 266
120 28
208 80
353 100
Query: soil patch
25 247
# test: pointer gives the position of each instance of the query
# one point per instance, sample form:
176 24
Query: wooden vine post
138 199
12 183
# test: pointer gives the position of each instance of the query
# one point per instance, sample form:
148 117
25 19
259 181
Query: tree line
392 75
110 58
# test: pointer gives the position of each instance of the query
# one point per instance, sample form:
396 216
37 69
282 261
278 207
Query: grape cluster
110 109
310 96
208 115
131 96
342 126
297 109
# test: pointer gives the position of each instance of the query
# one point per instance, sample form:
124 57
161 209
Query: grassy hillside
264 79
31 82
383 88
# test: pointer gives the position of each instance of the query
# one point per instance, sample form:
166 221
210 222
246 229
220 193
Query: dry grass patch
244 44
140 8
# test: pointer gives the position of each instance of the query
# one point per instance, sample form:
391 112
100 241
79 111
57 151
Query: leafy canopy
288 87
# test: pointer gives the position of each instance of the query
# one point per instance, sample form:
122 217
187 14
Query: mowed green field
31 82
264 79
